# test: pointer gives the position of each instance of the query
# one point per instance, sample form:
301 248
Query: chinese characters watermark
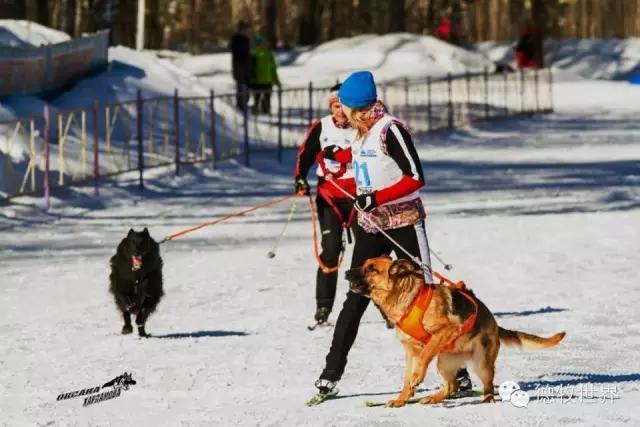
510 391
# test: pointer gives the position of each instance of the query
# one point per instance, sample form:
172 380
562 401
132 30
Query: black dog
136 278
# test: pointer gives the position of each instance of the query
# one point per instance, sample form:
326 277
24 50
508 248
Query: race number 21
361 171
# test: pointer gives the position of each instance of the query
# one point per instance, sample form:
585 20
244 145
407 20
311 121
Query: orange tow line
226 218
324 267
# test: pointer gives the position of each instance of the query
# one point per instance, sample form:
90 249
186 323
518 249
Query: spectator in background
443 30
264 77
525 49
240 48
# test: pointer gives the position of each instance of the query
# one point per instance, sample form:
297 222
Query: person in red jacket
525 49
334 208
388 176
443 30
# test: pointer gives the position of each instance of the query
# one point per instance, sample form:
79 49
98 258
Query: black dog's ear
145 231
130 232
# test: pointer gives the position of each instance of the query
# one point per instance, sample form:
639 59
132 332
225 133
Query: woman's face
346 111
338 113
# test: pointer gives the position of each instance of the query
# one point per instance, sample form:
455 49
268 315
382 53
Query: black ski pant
242 94
332 245
413 239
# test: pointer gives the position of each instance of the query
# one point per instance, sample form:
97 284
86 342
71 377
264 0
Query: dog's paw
489 399
127 329
432 399
395 403
141 332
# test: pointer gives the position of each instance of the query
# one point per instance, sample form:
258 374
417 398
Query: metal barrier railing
60 148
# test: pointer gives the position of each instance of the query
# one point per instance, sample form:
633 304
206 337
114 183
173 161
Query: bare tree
397 21
308 23
269 22
539 17
13 9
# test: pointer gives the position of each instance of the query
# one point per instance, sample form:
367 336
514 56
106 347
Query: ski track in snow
539 216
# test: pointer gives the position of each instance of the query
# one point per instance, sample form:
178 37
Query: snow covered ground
540 216
19 33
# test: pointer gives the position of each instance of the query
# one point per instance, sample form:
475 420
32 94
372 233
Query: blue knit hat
358 90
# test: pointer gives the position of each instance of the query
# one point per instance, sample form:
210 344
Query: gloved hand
301 187
330 151
366 202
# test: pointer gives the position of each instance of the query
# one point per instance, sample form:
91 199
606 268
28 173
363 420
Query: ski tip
321 397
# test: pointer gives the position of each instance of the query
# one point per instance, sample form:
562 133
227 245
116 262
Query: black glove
302 187
329 152
366 202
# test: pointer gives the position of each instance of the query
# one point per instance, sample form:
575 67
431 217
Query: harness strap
468 324
346 223
411 321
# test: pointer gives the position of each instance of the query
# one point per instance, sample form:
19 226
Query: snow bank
588 58
17 33
129 71
389 57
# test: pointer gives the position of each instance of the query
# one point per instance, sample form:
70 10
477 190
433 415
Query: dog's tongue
136 262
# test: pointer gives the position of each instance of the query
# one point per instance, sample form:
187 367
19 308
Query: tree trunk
539 18
269 22
331 33
397 22
308 33
70 18
13 9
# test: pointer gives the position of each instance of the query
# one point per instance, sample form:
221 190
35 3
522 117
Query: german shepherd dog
393 285
136 279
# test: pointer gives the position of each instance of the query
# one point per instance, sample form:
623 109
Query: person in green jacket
265 75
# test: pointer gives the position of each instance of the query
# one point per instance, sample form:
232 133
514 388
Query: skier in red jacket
334 208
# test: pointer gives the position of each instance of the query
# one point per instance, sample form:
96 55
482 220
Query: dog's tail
524 340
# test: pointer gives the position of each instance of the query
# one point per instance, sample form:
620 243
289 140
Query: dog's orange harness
411 321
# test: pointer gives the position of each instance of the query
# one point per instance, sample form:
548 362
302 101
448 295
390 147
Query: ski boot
326 390
321 318
465 387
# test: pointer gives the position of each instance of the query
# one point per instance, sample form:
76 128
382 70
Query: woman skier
388 176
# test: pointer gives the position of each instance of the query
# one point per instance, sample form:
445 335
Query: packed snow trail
538 216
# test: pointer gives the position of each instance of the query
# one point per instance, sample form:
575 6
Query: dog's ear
404 273
402 268
145 231
130 232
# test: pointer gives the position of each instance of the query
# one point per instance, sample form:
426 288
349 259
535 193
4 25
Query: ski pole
272 252
371 221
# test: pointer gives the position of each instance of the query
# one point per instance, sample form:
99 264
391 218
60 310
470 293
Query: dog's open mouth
136 262
359 288
354 276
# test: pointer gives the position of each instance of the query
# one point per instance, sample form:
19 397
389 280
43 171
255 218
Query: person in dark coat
525 49
240 48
